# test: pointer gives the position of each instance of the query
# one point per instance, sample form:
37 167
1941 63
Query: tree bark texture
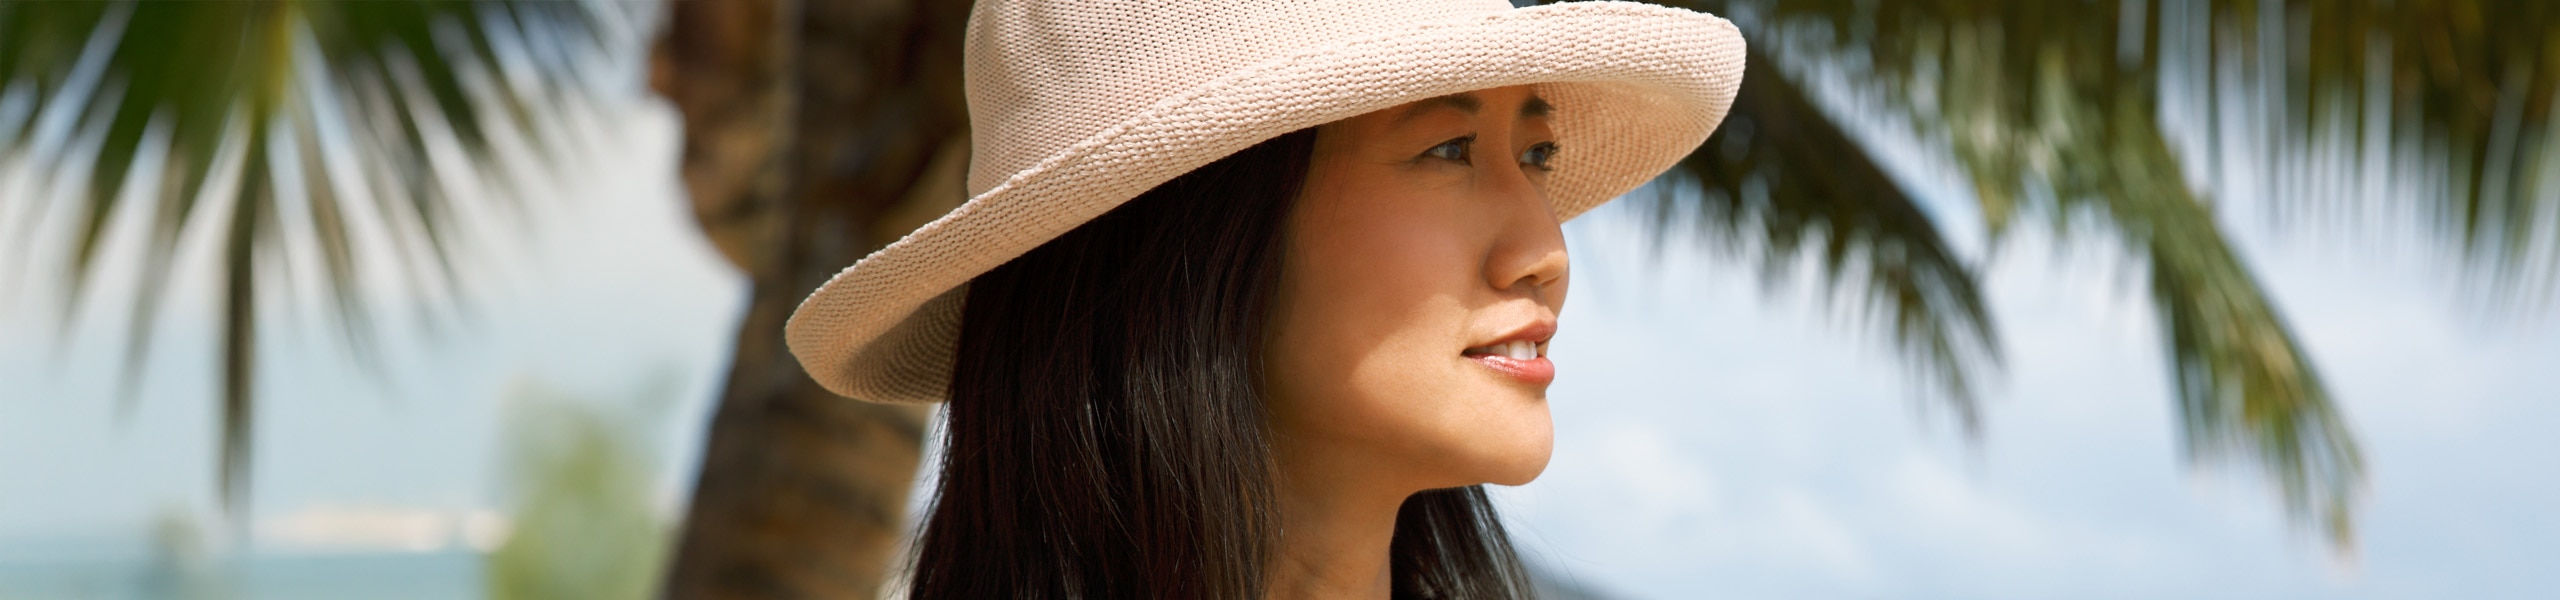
816 131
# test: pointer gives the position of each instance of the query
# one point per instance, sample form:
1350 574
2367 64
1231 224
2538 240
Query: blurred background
1966 299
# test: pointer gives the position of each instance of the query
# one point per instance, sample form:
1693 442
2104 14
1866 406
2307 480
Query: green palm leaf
1781 180
2054 111
2450 101
170 98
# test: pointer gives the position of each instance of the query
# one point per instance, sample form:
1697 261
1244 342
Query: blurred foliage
2055 110
1781 180
285 129
583 526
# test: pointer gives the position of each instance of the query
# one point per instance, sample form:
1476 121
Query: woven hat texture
1076 106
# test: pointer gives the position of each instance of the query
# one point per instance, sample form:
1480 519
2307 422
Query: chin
1508 450
1521 470
1517 456
1521 480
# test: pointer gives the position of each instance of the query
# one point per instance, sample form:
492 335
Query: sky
1715 436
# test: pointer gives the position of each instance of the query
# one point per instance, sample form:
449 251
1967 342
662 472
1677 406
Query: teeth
1511 350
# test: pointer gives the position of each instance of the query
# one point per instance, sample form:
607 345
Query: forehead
1513 107
1472 104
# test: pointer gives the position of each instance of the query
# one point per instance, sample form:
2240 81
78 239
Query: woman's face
1422 281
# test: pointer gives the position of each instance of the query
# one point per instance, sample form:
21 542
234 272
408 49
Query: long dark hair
1107 436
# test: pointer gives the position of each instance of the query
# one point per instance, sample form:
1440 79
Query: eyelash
1464 153
1546 152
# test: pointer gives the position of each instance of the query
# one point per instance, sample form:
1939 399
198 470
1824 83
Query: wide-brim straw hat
1079 105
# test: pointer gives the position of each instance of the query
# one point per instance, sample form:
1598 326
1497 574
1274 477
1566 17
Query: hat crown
1043 75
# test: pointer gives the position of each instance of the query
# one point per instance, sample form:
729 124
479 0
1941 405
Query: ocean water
445 575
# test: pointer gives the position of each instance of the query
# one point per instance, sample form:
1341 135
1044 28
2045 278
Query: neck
1334 536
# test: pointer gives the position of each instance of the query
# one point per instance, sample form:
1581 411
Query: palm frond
1780 180
2052 110
386 87
2330 105
2448 103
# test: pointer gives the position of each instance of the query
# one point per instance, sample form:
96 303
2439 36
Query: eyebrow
1535 107
1467 102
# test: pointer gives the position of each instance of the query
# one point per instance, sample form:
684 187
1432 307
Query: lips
1522 354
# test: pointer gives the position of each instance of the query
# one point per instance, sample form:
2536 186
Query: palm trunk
816 131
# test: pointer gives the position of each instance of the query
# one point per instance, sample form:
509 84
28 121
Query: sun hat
1076 106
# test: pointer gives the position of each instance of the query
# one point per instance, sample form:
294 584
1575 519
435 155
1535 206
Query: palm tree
815 132
226 116
802 492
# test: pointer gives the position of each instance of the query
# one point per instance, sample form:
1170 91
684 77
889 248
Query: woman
1250 297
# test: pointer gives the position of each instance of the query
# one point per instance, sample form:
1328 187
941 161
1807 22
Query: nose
1528 252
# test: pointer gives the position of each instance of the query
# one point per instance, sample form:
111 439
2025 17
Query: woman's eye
1453 150
1538 155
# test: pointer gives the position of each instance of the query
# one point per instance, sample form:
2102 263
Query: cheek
1357 344
1365 351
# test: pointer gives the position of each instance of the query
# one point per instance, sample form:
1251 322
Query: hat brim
1636 87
